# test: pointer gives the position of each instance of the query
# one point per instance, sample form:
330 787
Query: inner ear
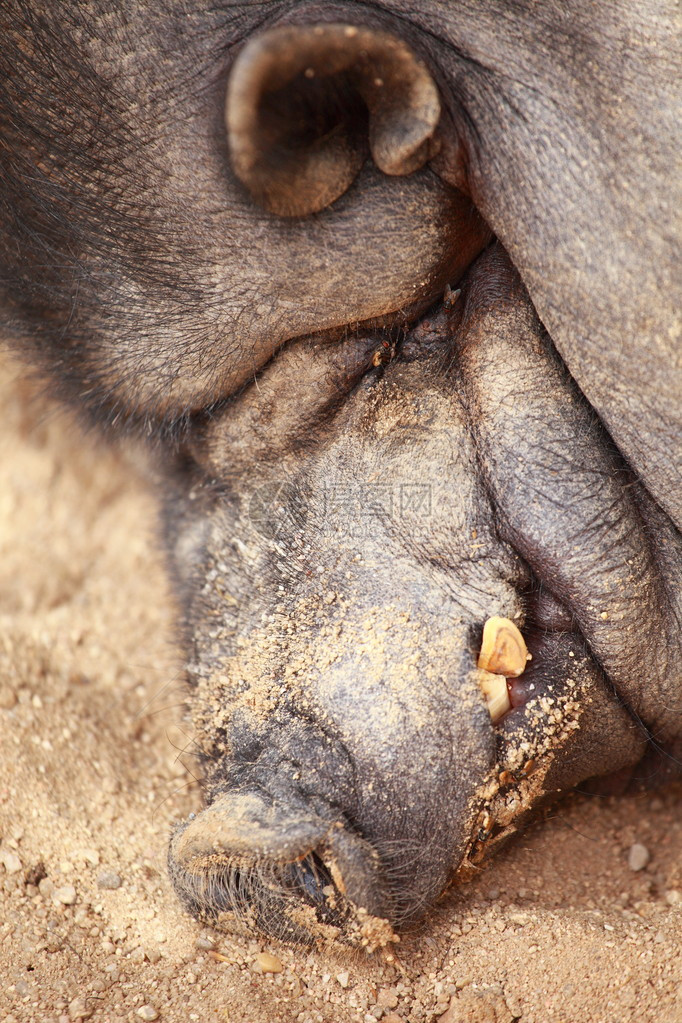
305 103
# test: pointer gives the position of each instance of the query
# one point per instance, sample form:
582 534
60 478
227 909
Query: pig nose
306 102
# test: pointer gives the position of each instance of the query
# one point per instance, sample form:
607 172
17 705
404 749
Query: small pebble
387 997
66 895
673 897
520 919
45 887
10 861
108 879
638 857
147 1012
80 1009
268 963
204 943
90 856
8 697
343 979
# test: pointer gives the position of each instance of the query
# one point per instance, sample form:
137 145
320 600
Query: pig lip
302 901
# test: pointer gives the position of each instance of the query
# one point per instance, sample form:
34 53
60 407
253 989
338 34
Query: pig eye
305 104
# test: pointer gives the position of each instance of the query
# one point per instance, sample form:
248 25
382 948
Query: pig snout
347 691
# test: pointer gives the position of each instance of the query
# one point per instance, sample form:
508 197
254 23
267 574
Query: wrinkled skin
358 474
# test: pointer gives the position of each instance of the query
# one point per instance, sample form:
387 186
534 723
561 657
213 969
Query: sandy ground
92 773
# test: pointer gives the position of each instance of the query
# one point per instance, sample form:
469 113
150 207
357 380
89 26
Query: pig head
391 289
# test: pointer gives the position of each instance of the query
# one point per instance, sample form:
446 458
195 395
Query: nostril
304 104
311 877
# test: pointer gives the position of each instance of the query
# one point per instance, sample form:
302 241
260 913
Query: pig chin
358 756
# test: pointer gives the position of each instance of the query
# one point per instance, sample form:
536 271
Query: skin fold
403 335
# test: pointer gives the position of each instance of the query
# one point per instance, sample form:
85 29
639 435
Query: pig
390 291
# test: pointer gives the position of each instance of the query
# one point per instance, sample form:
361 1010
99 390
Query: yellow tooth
494 688
503 650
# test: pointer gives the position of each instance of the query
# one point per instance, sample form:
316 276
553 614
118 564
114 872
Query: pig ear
305 101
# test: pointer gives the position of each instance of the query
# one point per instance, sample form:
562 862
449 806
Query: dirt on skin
97 761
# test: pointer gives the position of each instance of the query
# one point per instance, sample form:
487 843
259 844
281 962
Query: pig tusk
494 689
503 649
